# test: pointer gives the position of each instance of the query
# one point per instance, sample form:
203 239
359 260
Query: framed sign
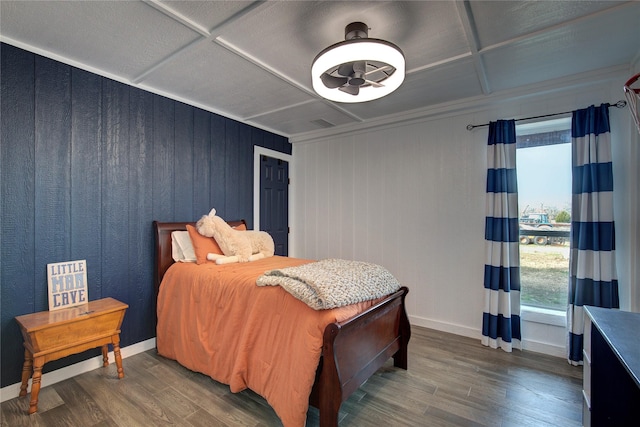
67 284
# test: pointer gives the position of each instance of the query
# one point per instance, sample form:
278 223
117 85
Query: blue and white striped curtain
592 268
501 316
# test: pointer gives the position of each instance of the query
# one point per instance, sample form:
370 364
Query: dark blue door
274 201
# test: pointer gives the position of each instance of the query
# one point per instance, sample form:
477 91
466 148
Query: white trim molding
543 315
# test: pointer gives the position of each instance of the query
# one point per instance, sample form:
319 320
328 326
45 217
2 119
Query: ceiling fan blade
375 70
345 69
374 84
352 90
332 82
360 67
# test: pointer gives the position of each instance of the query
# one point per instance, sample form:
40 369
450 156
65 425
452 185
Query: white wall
410 196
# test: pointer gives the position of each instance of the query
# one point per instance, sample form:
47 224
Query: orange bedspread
215 320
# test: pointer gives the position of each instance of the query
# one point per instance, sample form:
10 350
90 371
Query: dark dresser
611 384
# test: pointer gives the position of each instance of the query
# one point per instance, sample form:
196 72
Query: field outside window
544 199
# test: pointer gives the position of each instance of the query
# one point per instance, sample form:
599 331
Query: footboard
355 349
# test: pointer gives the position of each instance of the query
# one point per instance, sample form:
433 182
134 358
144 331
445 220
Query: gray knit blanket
332 283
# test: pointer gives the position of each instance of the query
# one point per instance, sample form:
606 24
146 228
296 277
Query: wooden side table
51 335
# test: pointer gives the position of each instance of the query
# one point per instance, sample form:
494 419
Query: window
544 200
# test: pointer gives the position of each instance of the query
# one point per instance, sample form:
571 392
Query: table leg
27 370
105 355
116 352
35 384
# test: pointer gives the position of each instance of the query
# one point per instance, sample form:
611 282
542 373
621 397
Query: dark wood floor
451 381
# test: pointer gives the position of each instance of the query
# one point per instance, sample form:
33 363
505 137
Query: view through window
544 200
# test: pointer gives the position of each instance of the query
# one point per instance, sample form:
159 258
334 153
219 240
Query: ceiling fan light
363 49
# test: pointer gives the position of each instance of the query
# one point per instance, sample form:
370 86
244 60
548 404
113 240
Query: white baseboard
528 345
445 327
544 348
50 378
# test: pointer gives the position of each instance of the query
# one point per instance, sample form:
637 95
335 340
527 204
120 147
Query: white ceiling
251 61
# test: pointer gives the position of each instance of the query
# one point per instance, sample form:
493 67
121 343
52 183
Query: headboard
162 257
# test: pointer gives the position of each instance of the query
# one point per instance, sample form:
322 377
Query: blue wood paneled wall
86 165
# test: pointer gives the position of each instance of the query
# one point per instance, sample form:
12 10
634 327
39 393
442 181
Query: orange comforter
215 320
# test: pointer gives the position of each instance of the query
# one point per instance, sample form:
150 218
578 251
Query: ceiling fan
351 76
359 68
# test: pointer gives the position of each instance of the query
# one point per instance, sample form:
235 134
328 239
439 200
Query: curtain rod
619 104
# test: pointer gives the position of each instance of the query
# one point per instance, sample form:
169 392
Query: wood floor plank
202 418
452 381
62 416
180 405
113 398
450 419
85 408
139 368
207 394
48 398
460 408
14 413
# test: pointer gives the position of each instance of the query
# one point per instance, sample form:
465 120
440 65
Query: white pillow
181 247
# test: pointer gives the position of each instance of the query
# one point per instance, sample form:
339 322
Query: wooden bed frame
352 350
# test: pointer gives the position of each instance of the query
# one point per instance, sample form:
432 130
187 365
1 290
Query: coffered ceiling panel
121 38
209 72
585 45
499 21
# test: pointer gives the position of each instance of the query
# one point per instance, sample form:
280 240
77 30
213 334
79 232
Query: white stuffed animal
237 246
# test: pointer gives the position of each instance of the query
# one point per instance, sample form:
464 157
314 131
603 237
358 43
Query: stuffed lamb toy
237 246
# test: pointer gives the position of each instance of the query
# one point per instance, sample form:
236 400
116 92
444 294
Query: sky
544 177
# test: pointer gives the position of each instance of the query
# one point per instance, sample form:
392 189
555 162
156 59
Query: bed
352 349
